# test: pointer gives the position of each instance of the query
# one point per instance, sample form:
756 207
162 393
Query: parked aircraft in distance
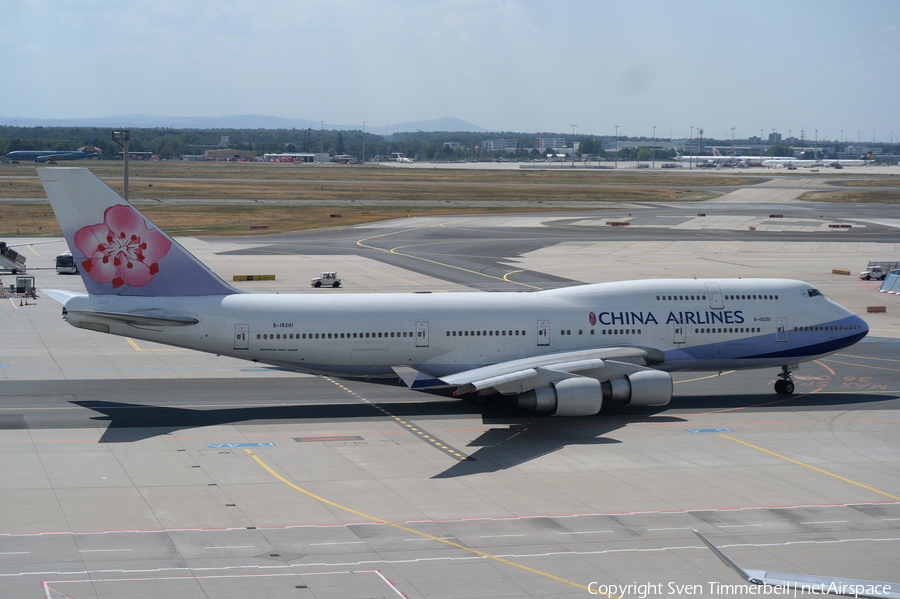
786 161
719 159
88 151
846 161
698 160
401 158
563 351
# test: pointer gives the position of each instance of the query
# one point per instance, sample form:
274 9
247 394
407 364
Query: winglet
727 560
829 585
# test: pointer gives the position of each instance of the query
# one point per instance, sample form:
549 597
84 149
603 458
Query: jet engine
641 388
583 396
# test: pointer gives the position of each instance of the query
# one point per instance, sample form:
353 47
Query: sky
506 65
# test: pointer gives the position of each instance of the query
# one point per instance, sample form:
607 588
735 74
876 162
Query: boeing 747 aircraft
563 351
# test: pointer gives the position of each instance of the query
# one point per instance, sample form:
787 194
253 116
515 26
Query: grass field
885 196
238 195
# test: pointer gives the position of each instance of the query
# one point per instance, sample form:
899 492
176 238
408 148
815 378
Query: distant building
298 157
452 144
496 145
861 150
774 138
548 143
229 155
655 144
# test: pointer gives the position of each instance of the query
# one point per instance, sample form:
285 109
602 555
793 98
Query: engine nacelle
583 396
641 388
578 396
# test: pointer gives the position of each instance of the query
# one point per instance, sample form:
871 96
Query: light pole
732 145
617 148
573 144
654 146
816 149
124 135
364 143
691 159
700 133
323 136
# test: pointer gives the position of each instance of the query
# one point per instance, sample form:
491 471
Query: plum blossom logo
122 250
592 318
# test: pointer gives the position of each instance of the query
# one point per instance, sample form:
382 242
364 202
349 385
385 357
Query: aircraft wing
806 582
517 376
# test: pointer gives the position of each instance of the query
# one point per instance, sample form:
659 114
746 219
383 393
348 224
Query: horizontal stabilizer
61 295
140 320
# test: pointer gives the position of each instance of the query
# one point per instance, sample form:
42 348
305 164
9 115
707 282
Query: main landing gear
785 385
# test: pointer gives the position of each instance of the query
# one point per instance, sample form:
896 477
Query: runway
133 469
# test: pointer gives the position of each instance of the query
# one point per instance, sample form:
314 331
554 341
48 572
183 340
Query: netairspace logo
659 589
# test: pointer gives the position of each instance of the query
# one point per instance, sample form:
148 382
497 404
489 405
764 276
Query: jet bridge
11 259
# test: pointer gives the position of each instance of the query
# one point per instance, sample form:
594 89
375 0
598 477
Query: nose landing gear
785 385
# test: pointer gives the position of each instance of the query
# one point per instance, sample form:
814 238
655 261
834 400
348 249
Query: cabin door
715 296
242 336
781 328
422 333
543 332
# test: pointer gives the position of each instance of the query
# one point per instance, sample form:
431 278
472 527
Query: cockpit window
814 293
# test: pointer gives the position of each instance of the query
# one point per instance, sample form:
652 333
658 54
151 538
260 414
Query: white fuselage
697 325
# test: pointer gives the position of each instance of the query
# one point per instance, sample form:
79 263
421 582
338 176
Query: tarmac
135 469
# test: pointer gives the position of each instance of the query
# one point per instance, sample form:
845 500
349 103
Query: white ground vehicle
326 279
65 264
878 270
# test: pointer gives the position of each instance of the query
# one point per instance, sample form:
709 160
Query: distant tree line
420 145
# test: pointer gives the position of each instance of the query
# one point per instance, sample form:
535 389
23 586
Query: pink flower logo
592 318
122 250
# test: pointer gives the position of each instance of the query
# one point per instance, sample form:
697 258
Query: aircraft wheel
788 387
779 387
318 284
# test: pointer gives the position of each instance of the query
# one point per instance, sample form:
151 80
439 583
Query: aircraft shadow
522 438
130 422
763 402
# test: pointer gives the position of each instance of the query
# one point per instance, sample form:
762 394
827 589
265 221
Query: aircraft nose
861 326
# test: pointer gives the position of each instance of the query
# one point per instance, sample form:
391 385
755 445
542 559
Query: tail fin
118 250
716 152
